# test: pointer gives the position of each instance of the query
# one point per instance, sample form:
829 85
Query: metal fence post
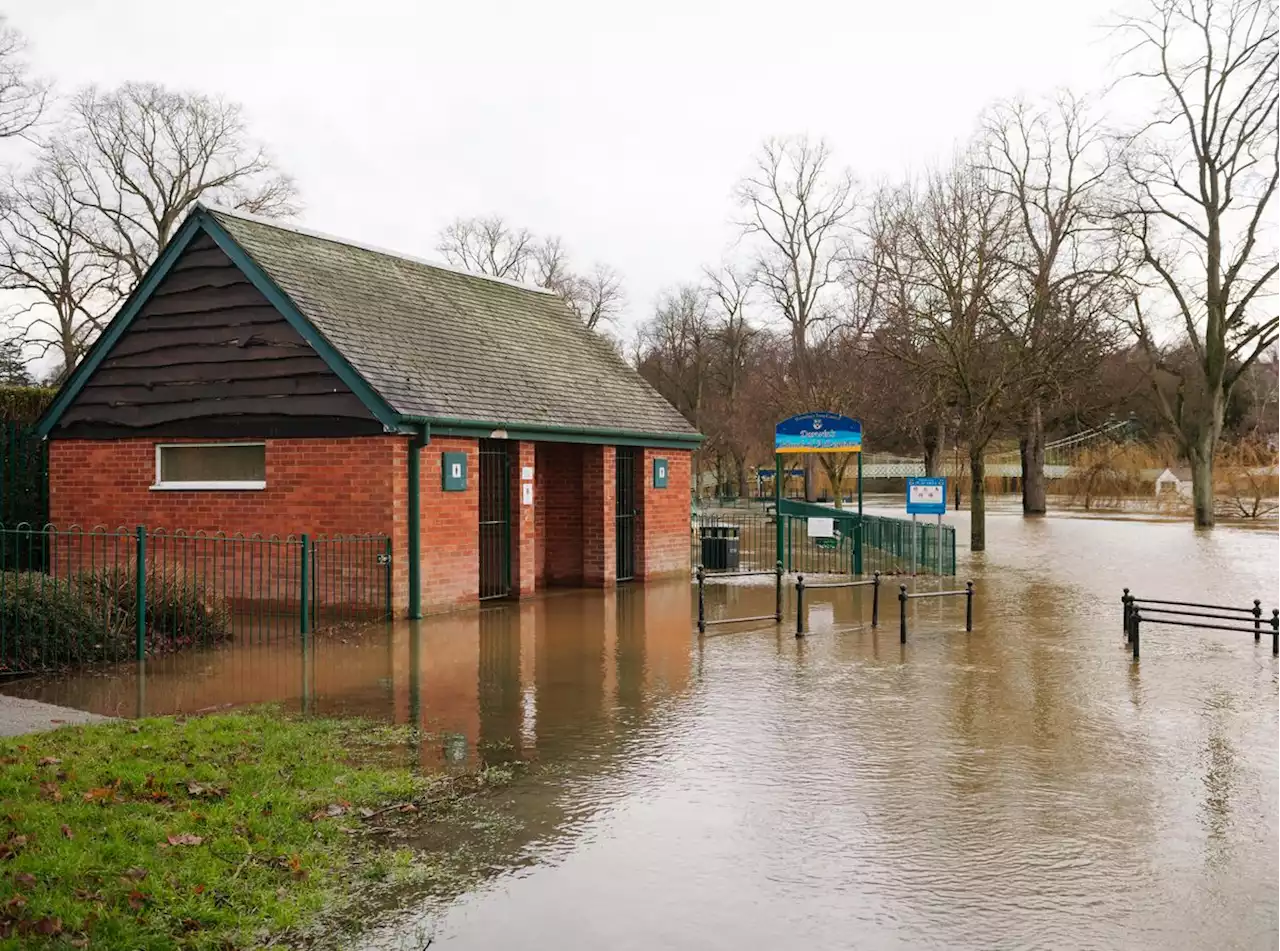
875 600
702 608
1135 630
968 605
1257 620
1275 631
387 554
799 605
304 589
777 592
141 592
902 614
1126 600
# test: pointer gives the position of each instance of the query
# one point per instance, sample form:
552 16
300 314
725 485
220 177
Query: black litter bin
720 547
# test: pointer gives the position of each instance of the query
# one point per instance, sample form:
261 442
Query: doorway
495 520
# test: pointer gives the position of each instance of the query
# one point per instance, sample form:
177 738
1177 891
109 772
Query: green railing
858 545
71 597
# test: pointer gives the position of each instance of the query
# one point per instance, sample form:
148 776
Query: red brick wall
450 528
599 556
319 486
558 513
664 516
523 522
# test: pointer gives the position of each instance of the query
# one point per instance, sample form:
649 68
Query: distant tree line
1057 269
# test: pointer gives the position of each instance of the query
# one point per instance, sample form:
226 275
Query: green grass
224 831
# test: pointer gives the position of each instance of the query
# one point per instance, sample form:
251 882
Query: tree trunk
1202 485
1032 452
810 483
932 441
741 463
977 500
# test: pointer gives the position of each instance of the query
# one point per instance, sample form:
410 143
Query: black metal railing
776 616
801 588
1139 611
904 596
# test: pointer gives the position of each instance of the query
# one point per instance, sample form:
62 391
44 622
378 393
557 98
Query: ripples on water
1025 786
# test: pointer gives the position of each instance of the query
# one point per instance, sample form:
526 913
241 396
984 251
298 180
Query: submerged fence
70 597
858 544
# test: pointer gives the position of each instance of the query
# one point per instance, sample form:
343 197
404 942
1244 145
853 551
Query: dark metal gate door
625 509
495 520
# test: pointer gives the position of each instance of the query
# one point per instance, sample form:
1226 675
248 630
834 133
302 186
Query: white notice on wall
526 493
822 527
526 473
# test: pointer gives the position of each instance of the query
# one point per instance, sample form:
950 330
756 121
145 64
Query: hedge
48 622
24 404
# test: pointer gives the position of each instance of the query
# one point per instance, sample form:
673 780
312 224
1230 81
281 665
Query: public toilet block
266 379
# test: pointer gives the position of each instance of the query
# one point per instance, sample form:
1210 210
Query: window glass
213 464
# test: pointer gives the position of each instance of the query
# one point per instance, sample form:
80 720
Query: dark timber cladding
209 356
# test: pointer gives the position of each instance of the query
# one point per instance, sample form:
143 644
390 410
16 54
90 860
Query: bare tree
22 97
729 289
798 212
1202 176
488 245
596 297
144 154
676 347
1050 162
43 253
944 252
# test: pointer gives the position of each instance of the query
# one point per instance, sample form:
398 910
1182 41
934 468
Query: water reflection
1025 785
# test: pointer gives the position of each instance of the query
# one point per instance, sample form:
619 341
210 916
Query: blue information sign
818 432
926 496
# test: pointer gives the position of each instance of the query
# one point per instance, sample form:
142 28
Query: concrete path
18 716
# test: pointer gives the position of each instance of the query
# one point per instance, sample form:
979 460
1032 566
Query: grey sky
621 128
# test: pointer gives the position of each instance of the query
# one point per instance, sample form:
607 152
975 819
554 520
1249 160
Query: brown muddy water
1023 786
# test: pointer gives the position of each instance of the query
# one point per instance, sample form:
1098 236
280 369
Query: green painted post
859 489
777 500
415 527
141 593
305 588
386 551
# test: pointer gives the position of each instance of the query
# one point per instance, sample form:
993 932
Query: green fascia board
281 301
115 330
532 432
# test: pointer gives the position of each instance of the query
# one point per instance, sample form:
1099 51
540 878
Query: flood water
1023 786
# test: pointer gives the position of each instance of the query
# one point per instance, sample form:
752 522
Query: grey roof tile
439 343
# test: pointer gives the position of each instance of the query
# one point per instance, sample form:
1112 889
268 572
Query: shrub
181 611
49 622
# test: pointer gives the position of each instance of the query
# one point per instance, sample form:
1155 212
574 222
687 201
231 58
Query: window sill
208 486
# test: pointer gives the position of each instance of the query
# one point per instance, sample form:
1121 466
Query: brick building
266 379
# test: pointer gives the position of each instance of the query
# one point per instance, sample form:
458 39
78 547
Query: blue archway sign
818 432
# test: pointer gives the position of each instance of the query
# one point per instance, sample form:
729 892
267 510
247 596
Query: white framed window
218 465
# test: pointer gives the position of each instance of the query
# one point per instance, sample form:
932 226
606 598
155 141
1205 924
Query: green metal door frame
494 526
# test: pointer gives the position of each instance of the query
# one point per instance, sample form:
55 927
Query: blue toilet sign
926 496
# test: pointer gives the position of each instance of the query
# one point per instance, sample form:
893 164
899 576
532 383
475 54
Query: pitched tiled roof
446 345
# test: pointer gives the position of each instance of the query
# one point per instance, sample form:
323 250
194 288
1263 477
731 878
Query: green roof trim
533 432
119 324
281 302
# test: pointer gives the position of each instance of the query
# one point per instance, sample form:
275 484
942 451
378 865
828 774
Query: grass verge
225 831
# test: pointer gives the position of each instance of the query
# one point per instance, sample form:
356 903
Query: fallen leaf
365 812
333 810
66 832
135 873
25 879
48 761
137 899
48 926
185 838
199 889
103 794
8 760
408 807
52 791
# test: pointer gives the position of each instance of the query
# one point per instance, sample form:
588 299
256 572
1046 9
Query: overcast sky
620 127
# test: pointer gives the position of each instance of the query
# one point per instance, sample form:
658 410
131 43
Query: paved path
19 716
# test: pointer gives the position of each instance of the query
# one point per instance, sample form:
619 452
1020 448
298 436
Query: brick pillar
523 521
599 553
664 515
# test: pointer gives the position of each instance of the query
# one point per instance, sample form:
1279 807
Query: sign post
926 496
818 432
